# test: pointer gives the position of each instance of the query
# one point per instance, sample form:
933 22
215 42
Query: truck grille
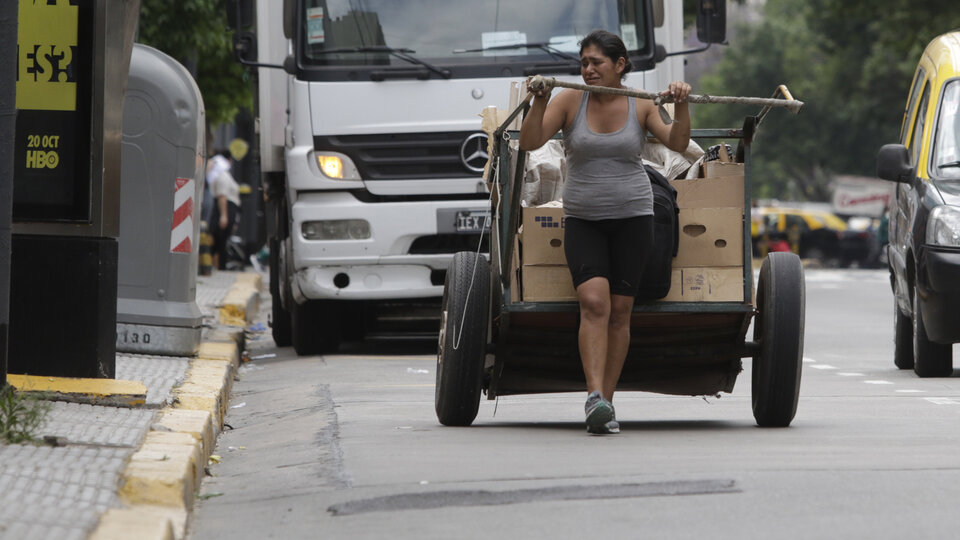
402 156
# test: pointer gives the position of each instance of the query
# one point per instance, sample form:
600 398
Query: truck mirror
245 46
290 64
712 21
657 13
659 53
289 18
893 163
239 14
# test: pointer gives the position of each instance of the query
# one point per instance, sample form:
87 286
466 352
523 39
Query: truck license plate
472 221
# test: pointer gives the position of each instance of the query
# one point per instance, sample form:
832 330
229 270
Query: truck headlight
335 165
336 229
943 226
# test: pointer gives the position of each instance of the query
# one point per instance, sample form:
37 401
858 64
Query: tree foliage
850 62
195 32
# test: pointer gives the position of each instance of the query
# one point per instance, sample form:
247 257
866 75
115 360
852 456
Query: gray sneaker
600 417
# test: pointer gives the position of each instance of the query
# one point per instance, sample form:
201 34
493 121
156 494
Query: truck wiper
949 165
545 47
403 54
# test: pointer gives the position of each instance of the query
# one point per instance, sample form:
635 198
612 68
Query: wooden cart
492 342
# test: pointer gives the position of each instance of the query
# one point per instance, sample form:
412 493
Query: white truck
371 152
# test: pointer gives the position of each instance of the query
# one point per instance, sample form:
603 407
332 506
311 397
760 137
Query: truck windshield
461 33
946 149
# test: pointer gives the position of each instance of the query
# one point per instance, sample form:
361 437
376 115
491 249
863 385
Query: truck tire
778 328
462 340
279 317
902 338
930 359
314 327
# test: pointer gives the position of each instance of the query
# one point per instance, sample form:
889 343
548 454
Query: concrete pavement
124 458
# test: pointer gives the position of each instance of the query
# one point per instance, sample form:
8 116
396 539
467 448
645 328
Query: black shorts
615 249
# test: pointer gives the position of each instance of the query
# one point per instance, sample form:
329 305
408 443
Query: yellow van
924 250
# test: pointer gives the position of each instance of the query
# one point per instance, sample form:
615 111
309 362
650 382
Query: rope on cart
539 82
458 335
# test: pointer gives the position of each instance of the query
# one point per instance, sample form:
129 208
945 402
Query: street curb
241 303
106 392
162 478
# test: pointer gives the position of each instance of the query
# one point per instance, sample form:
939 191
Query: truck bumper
392 263
938 282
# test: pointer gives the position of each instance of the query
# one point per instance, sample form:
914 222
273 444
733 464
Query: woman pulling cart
608 203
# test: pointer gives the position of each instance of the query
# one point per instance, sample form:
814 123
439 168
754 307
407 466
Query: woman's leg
594 296
618 341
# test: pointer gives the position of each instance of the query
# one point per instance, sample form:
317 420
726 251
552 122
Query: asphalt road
348 446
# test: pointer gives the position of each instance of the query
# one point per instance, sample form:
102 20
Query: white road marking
877 382
942 401
822 366
911 391
809 360
850 374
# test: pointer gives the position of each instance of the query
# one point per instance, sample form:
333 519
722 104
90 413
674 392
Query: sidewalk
125 457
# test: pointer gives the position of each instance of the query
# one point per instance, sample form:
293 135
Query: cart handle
539 82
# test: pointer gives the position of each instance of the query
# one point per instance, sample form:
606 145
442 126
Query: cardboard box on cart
708 267
544 274
709 263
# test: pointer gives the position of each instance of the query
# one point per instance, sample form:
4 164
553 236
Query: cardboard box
709 169
547 283
706 284
710 237
720 191
542 236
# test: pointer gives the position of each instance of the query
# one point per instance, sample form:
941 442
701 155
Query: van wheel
778 329
930 359
463 339
902 338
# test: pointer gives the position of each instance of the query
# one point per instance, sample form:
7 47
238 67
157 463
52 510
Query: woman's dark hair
611 45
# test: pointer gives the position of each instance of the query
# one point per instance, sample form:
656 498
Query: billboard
52 165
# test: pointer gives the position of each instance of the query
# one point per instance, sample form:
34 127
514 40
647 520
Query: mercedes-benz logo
473 152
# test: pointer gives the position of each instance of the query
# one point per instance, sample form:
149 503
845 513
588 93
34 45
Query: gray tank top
605 175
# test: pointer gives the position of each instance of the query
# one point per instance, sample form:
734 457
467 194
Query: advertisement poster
54 73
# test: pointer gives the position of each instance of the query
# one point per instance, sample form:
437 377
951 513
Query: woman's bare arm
544 119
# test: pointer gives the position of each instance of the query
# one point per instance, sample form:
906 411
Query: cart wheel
902 338
463 339
778 328
930 359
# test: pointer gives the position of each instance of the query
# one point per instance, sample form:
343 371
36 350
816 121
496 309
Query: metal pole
8 94
793 105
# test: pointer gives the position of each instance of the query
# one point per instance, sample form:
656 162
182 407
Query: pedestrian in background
226 204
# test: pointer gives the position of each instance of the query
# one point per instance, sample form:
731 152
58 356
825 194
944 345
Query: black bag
655 278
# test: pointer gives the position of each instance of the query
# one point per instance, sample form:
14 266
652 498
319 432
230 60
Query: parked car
924 228
817 234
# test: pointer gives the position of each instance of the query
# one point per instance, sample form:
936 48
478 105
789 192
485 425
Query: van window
916 137
914 92
946 149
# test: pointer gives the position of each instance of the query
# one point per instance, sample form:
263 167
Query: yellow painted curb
197 423
225 351
241 302
206 388
163 476
166 471
141 522
95 391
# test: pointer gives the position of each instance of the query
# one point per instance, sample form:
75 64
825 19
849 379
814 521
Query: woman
608 202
